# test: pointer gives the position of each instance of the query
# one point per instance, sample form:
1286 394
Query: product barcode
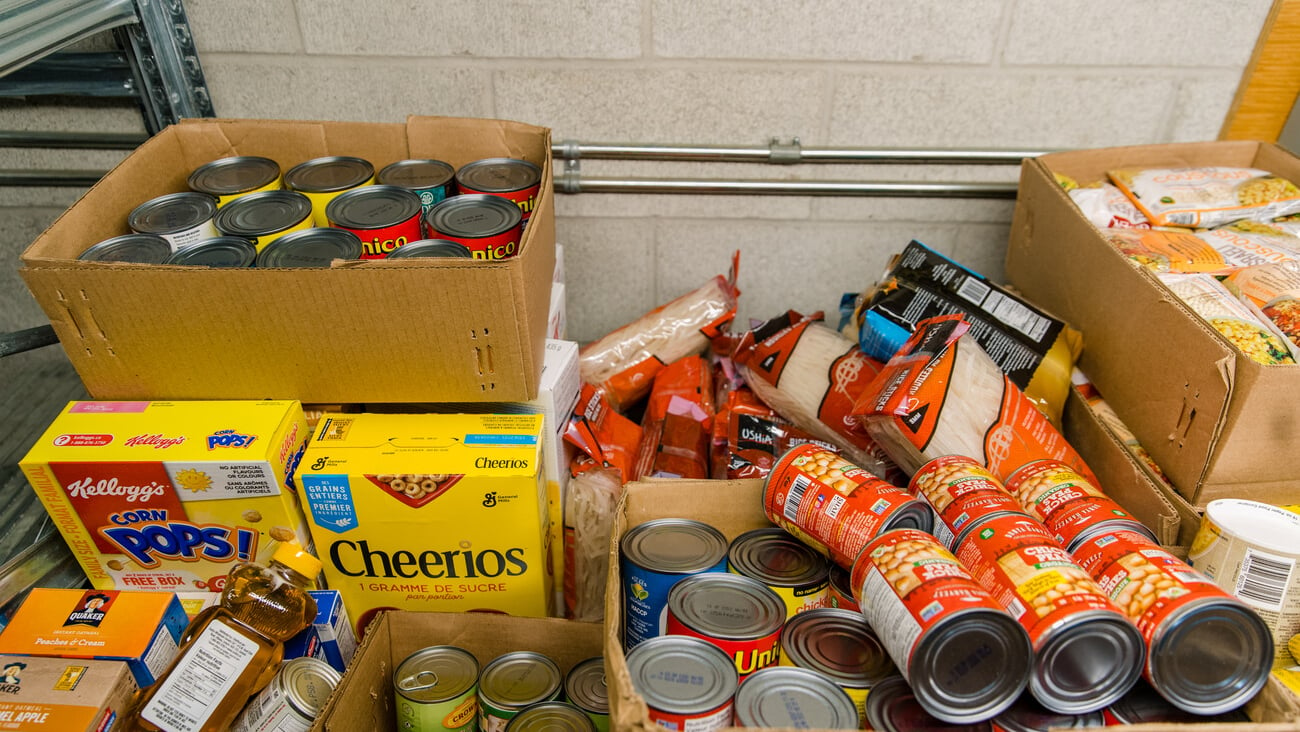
1263 579
795 497
973 290
1181 219
1016 315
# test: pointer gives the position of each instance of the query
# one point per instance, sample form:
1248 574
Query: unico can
965 658
431 248
490 227
437 689
653 556
892 707
838 592
790 568
1027 715
518 181
1086 652
742 616
687 684
314 247
961 492
552 716
1069 505
137 248
264 217
229 178
321 179
384 218
585 688
432 180
786 696
1207 652
293 699
513 681
180 218
835 506
840 645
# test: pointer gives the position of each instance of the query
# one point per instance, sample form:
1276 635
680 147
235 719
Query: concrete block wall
851 73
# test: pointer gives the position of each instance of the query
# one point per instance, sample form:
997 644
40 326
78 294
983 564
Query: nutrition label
201 679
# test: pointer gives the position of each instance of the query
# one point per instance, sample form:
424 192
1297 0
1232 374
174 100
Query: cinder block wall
1020 74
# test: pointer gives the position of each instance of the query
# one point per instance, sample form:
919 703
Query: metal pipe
53 178
883 189
788 153
78 140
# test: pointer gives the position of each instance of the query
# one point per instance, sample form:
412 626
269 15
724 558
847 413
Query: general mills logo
319 464
490 499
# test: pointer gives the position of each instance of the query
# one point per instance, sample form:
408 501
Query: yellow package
1167 251
1207 197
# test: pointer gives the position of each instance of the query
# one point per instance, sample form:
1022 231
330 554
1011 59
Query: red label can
490 227
738 614
687 684
517 181
383 218
1067 503
962 492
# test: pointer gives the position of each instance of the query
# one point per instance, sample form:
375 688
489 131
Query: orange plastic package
678 417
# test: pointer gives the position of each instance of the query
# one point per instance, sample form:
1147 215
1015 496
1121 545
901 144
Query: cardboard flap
1090 166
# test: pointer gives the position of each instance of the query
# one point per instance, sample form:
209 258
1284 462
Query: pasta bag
677 420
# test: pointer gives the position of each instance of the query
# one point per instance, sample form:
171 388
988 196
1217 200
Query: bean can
229 178
384 218
1207 652
322 179
687 684
293 699
835 506
264 217
490 227
517 181
314 247
220 251
551 716
653 556
790 568
838 592
136 248
961 492
585 688
1070 505
513 681
180 218
840 645
433 181
1027 715
892 707
965 658
437 690
742 616
787 696
1143 705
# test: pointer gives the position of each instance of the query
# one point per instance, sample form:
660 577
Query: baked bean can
180 218
1027 715
654 556
313 247
965 658
492 228
551 716
687 684
136 248
840 645
322 179
835 506
838 592
437 690
221 251
384 218
432 180
293 699
790 568
513 681
1087 654
742 616
518 181
787 696
585 688
431 248
1207 652
229 178
892 707
1070 505
264 217
961 492
1143 705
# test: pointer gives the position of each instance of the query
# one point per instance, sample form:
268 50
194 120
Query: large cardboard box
1218 423
408 330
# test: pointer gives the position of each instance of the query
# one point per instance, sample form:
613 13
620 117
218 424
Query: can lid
839 644
373 207
416 174
172 213
435 674
1087 662
431 248
516 680
726 606
328 174
839 581
258 214
292 555
774 557
221 251
1144 704
785 696
674 546
308 683
473 216
585 685
136 248
682 674
498 175
1211 655
1027 715
892 707
915 514
552 716
314 247
236 174
971 667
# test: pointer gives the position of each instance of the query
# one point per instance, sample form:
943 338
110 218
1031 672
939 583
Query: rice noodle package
677 421
942 395
1207 197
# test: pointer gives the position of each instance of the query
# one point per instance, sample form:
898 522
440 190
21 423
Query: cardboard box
1218 423
408 330
63 695
364 699
330 637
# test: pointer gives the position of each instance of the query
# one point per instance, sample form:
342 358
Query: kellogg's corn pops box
430 512
170 495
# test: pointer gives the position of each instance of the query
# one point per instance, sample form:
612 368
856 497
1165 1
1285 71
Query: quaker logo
229 438
11 677
91 609
490 499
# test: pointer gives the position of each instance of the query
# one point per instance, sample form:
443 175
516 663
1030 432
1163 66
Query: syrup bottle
230 651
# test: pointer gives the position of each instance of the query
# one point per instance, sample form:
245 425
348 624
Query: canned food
229 178
383 217
790 568
425 248
1207 652
585 688
1069 505
490 227
221 251
686 683
264 217
437 689
961 492
838 593
293 699
1086 652
742 616
653 556
965 658
552 716
835 506
314 247
840 645
892 707
1027 715
321 179
1142 705
180 218
518 181
432 180
511 682
134 248
785 696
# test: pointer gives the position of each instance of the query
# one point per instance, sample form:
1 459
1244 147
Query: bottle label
200 680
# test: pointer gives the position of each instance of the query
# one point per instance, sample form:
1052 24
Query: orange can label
962 492
1065 501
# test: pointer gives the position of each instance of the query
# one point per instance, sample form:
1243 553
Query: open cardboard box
401 331
735 506
1218 423
364 698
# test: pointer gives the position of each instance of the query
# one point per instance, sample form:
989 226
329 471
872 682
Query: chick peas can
790 568
323 179
962 492
1068 503
840 645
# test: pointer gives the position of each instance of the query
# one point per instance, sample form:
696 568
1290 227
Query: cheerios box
430 512
170 495
66 695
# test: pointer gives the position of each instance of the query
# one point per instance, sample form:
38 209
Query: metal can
653 556
321 179
1086 652
742 616
293 699
838 593
221 251
840 645
552 716
435 248
786 696
686 683
835 506
226 179
513 681
515 180
432 180
1207 652
264 217
965 658
790 568
180 218
1143 705
585 688
892 707
1068 503
134 248
437 689
314 247
961 491
490 227
385 218
1027 715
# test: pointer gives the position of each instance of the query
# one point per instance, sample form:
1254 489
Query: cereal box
63 694
169 495
430 512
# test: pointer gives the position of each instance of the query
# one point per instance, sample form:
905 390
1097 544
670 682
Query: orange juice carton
330 636
430 512
63 695
170 495
143 629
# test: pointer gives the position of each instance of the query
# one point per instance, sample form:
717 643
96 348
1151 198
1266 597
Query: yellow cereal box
169 495
63 695
432 512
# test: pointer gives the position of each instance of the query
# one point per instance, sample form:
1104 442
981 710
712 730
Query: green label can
437 690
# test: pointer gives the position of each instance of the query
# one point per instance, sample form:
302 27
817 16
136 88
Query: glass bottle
232 650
